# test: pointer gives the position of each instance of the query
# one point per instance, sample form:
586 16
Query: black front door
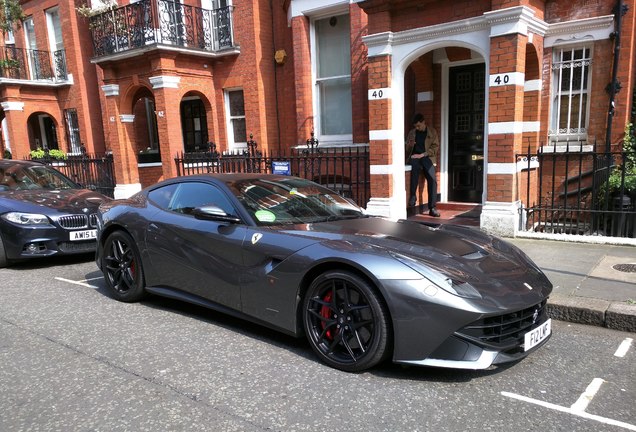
466 133
195 125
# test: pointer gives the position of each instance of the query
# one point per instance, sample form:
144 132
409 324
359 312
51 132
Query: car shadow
300 346
52 261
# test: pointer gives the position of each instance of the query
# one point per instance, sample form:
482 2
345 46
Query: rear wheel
122 267
346 322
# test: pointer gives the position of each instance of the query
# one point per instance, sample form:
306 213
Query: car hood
52 201
464 254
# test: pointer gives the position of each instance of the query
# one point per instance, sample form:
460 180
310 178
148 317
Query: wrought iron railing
166 22
345 170
584 193
30 64
94 172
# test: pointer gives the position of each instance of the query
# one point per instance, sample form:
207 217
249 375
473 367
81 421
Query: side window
162 196
188 196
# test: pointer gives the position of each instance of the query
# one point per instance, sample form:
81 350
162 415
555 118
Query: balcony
152 24
33 65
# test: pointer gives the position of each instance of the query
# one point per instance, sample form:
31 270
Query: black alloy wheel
122 267
346 322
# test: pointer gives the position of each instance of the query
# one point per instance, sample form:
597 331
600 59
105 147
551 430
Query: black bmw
43 213
292 255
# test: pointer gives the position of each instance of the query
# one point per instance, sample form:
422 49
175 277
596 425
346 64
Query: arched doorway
42 131
448 86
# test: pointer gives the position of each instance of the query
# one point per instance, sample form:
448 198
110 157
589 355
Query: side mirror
214 213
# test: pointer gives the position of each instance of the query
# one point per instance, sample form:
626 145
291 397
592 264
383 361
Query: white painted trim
12 106
510 168
380 93
425 96
380 134
529 126
165 81
126 190
110 90
515 78
316 8
126 118
582 30
505 128
532 85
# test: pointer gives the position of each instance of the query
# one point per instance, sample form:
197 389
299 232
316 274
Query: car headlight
445 282
32 219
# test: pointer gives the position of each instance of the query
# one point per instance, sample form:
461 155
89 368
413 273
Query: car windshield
292 201
16 177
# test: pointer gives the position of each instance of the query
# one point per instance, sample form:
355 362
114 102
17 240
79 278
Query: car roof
13 162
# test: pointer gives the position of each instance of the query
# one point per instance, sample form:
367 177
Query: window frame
580 135
232 144
331 139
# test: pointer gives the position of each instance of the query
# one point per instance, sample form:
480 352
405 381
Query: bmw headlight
445 282
30 219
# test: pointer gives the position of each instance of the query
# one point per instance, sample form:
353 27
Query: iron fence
92 172
148 22
30 64
345 170
578 193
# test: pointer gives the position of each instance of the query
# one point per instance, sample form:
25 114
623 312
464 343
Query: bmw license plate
83 235
538 335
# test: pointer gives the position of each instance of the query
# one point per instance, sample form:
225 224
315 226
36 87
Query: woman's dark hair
417 118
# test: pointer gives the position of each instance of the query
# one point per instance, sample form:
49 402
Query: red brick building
494 77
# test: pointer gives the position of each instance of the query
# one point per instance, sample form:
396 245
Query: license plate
538 335
83 235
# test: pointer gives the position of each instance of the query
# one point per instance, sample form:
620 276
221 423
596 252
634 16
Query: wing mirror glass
214 213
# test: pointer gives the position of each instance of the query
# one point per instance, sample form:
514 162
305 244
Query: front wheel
346 322
122 268
4 262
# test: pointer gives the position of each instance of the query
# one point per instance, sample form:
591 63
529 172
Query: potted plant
148 155
618 181
46 154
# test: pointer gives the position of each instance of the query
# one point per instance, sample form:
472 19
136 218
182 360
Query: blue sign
281 167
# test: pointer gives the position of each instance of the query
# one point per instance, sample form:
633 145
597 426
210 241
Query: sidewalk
593 283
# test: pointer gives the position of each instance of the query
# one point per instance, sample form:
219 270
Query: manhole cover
626 268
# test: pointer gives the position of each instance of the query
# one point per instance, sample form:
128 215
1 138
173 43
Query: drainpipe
271 8
614 86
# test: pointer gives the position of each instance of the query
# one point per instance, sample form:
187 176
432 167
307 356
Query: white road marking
588 395
583 414
624 347
82 282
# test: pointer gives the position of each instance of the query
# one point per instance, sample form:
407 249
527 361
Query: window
236 129
187 196
72 131
571 79
333 78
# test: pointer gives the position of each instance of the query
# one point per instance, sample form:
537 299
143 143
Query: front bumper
33 242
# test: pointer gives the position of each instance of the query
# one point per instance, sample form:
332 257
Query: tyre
4 262
122 268
346 322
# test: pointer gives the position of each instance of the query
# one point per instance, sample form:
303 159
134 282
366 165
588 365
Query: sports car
289 254
44 213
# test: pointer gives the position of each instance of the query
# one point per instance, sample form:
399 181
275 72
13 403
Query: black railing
167 22
92 172
35 65
344 170
584 193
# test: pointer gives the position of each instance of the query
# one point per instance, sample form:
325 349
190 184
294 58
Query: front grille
504 331
77 247
92 220
73 221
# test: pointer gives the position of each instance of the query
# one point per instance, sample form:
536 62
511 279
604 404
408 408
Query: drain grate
625 268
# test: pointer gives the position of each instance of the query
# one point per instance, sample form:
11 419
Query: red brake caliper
326 313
